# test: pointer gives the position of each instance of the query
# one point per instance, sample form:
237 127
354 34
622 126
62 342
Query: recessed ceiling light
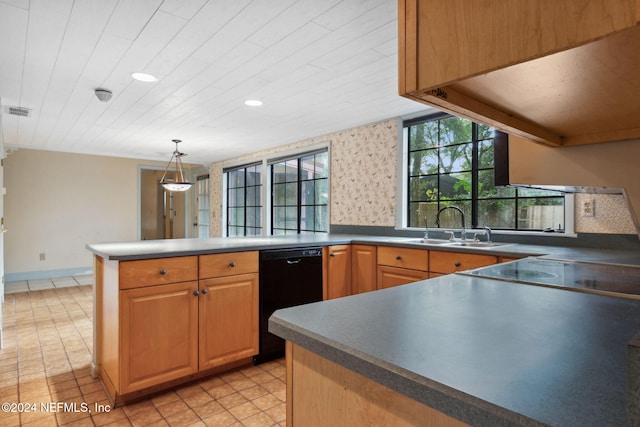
143 77
253 102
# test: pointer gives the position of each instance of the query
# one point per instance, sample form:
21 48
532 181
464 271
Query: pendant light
179 183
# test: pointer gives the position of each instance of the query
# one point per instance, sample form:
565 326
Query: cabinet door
363 268
337 271
393 276
228 319
159 334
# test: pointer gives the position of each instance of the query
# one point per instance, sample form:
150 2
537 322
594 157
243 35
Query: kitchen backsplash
364 167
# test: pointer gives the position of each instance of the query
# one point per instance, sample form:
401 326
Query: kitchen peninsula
471 349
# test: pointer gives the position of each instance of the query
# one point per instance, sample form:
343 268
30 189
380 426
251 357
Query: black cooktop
609 279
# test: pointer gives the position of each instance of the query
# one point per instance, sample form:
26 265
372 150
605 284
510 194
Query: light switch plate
588 207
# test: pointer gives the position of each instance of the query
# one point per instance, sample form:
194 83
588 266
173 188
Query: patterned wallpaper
362 168
611 215
363 182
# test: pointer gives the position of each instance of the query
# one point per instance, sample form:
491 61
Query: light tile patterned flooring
45 361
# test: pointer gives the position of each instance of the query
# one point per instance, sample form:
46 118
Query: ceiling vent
19 111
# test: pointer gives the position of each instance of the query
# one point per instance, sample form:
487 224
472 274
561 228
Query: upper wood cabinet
559 73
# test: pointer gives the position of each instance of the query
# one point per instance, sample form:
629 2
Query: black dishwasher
288 277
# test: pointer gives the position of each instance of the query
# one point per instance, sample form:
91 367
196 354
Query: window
300 194
244 200
451 163
203 202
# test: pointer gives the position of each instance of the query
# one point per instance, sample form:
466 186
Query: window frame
403 201
299 181
259 191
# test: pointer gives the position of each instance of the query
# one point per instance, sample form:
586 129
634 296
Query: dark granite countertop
146 249
487 352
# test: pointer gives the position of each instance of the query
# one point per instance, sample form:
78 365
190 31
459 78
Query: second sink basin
478 244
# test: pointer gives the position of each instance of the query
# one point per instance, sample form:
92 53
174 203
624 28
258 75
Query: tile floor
45 361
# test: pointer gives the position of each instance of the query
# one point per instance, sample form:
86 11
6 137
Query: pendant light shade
178 182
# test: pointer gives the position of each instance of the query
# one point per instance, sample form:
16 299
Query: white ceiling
319 66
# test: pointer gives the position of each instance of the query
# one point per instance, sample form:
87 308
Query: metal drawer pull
163 271
204 291
232 264
196 292
398 257
457 264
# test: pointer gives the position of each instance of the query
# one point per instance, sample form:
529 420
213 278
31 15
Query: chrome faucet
487 231
463 231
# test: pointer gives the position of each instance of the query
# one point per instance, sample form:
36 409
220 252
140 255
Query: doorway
162 213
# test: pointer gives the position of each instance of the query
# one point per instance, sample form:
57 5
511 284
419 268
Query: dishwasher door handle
294 261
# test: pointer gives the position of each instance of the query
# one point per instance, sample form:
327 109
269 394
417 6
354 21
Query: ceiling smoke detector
103 95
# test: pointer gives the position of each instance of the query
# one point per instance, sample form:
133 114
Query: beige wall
56 203
363 174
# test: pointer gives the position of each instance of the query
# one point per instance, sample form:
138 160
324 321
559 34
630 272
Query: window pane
485 154
307 218
424 162
254 175
455 130
423 188
455 186
307 167
307 195
241 194
424 135
423 214
322 169
540 213
498 213
322 192
451 218
456 158
321 218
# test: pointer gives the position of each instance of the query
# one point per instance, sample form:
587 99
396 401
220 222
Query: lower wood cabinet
150 334
336 277
399 266
441 262
228 313
394 276
159 335
363 268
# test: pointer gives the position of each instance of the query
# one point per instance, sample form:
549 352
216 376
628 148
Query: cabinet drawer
450 262
393 276
228 264
415 259
160 271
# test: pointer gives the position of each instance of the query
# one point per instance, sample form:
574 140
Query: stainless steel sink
478 244
464 243
431 241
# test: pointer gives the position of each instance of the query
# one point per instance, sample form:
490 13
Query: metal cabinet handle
196 292
332 254
232 264
204 291
163 271
457 264
398 257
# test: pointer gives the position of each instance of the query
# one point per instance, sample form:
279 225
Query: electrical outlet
589 207
42 256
